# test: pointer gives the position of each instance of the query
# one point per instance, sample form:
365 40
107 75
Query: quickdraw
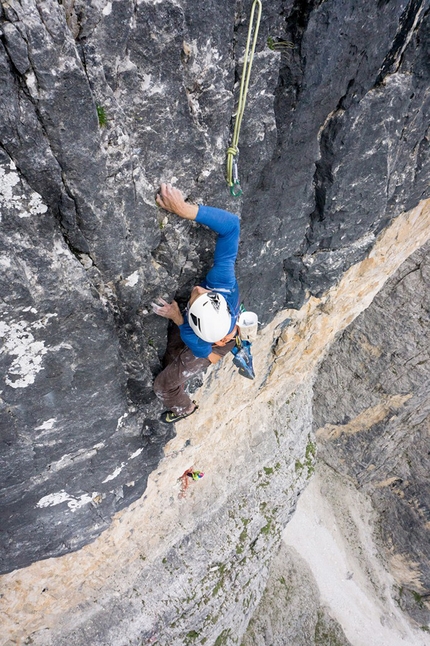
233 149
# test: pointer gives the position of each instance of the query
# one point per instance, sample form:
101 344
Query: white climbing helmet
209 317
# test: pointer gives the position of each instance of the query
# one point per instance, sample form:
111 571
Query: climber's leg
181 365
174 344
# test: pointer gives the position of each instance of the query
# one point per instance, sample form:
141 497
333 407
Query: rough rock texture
358 542
64 409
99 102
290 611
350 107
334 582
372 401
254 443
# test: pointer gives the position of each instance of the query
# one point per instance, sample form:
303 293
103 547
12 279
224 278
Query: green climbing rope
233 149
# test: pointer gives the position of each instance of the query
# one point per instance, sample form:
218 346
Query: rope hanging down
233 150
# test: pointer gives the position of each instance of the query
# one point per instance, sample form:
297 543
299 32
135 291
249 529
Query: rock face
290 611
345 163
99 102
375 406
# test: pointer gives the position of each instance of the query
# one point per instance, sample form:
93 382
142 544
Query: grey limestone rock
349 102
99 102
371 405
290 612
64 415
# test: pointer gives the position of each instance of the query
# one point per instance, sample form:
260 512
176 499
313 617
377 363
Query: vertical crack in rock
291 74
336 223
323 178
408 24
301 135
26 76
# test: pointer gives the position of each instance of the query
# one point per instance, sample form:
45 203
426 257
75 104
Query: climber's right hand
168 310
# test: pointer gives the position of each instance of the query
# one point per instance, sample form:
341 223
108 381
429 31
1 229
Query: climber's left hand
168 310
170 198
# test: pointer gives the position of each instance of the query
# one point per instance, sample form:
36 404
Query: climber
206 331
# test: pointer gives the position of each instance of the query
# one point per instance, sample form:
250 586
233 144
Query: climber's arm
221 275
227 225
171 199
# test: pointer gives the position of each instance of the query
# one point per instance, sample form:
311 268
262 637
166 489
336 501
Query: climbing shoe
169 417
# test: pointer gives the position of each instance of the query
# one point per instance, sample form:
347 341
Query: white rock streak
115 474
118 470
135 454
107 9
46 426
18 341
35 206
7 182
73 502
133 279
23 207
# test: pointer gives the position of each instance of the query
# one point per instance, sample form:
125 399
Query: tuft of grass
101 114
309 461
192 634
222 639
418 598
266 529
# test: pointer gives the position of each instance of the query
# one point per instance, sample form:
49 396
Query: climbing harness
233 150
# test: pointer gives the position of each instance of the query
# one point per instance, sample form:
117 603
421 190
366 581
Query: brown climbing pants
180 365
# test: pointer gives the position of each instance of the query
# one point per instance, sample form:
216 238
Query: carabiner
235 189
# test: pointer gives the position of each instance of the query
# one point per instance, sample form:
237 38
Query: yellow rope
233 150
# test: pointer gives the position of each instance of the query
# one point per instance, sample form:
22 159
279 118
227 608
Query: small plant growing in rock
279 45
101 114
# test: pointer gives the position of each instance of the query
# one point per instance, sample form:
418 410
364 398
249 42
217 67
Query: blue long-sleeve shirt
221 278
